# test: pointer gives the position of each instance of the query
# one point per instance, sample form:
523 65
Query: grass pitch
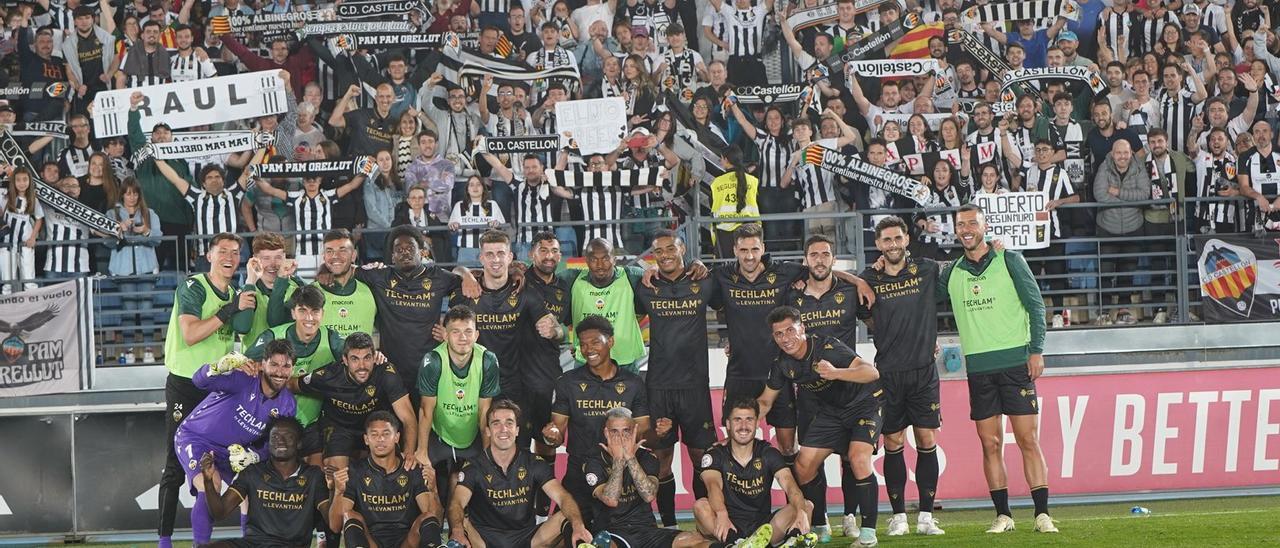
1235 521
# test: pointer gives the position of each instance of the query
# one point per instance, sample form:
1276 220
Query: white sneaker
1001 524
823 532
1058 322
1044 524
926 525
866 537
898 525
849 525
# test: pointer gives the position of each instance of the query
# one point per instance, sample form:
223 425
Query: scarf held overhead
211 144
526 144
361 165
875 41
1020 11
267 22
374 9
12 153
618 179
873 176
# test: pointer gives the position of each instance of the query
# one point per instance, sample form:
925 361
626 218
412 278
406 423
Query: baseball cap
640 31
1191 8
1067 35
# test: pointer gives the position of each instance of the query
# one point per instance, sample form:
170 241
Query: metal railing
133 311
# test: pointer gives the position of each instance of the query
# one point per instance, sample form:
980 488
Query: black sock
819 483
352 534
566 533
868 493
1000 498
847 488
926 476
814 491
791 461
330 536
429 532
895 480
1040 496
667 500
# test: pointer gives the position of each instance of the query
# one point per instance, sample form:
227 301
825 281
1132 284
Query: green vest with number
988 313
458 400
184 359
617 303
348 314
308 406
260 311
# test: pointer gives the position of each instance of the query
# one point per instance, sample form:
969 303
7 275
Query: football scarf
889 68
38 90
12 153
521 144
267 22
202 144
855 169
875 41
55 128
768 95
620 179
1034 10
361 165
377 9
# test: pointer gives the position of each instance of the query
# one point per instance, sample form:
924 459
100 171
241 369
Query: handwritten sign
1018 218
596 126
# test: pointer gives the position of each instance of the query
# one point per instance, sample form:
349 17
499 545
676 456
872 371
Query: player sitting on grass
739 476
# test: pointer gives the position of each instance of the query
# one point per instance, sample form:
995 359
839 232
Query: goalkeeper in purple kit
231 422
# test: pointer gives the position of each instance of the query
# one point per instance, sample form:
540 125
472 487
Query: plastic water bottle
1139 511
100 358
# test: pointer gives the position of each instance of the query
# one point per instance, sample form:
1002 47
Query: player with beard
678 367
1000 316
378 502
848 411
410 296
828 307
243 396
513 324
905 336
283 494
200 332
746 291
314 346
540 377
349 302
739 476
350 391
582 397
505 477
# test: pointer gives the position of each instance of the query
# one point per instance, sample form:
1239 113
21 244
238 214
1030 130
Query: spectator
175 214
134 253
145 63
39 66
99 187
471 217
458 125
88 52
215 204
1171 173
74 159
69 260
404 145
312 216
533 210
1120 179
300 63
23 219
435 175
380 199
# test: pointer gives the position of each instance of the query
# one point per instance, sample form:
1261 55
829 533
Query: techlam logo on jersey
1228 274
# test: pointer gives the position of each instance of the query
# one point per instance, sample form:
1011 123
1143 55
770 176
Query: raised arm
338 118
351 185
264 185
990 30
172 176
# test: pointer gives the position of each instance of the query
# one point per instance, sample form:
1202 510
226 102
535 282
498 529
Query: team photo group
423 247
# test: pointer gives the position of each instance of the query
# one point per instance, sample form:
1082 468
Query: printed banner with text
47 339
1239 278
1018 218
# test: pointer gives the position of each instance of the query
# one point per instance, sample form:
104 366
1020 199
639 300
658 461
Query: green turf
1237 521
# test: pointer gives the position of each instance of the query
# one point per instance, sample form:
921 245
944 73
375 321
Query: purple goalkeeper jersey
235 411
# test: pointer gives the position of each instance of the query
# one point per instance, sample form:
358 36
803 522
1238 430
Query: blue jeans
568 241
468 256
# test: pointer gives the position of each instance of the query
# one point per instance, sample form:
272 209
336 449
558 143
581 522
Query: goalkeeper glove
240 457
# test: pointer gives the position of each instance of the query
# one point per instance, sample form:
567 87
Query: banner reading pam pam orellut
47 339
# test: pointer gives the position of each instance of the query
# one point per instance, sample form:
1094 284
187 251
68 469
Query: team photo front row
316 433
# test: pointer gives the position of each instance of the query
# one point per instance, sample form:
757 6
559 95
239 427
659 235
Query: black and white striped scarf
620 179
1021 11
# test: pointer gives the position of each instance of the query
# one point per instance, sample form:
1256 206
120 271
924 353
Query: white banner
595 125
1018 218
190 104
47 339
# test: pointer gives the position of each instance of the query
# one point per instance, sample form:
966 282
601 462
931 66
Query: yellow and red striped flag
915 43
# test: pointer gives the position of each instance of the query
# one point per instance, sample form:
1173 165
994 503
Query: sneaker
926 525
1126 318
1044 524
759 539
823 532
1001 524
1102 319
866 537
1058 322
1160 317
898 525
849 525
807 540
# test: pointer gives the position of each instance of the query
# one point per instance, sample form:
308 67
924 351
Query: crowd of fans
1190 87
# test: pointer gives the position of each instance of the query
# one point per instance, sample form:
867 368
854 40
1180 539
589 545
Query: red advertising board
1110 433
